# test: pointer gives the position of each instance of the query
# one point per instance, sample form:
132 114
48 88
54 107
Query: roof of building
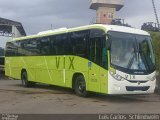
118 4
9 23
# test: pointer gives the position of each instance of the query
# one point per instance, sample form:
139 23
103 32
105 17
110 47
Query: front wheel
80 86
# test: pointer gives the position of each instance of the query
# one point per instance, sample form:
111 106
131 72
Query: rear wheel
80 86
25 82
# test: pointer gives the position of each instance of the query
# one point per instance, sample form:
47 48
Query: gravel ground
44 99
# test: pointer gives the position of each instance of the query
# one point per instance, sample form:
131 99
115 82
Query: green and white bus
105 59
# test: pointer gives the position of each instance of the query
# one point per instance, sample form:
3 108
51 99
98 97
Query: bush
156 45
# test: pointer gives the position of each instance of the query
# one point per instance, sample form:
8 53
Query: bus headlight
153 78
117 77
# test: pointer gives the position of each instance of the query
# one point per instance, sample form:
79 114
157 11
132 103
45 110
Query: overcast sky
38 15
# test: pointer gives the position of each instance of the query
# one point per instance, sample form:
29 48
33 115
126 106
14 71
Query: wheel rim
81 86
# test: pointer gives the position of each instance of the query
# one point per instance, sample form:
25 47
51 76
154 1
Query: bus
105 59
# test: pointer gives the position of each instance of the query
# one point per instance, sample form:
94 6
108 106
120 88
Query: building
106 10
11 28
8 30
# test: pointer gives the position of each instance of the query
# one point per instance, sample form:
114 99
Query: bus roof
126 30
106 28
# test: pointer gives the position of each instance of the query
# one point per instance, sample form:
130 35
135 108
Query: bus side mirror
108 46
108 41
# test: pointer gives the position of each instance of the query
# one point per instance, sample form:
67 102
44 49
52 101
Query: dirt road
44 99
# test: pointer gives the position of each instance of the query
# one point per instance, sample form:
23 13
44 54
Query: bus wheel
25 82
80 86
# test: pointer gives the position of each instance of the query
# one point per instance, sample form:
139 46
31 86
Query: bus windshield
131 52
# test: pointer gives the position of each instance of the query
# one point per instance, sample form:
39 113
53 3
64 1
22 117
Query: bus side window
53 48
19 51
10 49
58 44
68 45
23 48
79 43
31 47
45 46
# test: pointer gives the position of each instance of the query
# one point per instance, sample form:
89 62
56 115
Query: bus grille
130 88
132 81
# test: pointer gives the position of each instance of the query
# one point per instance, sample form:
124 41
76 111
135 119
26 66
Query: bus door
98 62
94 69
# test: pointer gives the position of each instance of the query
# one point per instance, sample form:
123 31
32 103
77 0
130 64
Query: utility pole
155 12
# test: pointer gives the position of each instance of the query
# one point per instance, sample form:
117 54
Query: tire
80 86
24 79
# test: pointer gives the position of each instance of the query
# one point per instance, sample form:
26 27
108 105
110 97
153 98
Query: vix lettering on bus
59 61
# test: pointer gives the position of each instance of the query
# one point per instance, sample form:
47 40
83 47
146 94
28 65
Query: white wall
16 32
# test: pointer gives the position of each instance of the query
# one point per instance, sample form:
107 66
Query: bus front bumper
130 87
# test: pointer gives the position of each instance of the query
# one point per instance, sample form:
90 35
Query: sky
38 15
